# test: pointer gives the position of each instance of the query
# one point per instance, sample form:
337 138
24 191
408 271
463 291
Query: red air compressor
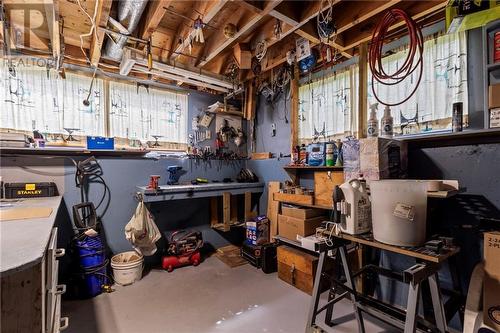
183 249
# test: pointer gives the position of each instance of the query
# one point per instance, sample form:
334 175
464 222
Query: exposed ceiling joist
152 18
52 16
219 45
292 24
310 32
283 18
187 33
352 15
422 9
101 20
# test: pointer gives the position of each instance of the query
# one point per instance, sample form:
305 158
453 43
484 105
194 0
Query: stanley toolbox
30 190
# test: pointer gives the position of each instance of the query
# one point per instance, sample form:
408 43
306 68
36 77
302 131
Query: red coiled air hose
412 61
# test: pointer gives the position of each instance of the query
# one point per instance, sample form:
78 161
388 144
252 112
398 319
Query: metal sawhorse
426 269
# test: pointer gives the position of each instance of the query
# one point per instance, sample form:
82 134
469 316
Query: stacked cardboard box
299 221
381 158
491 294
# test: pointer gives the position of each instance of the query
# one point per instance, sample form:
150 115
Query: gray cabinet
31 298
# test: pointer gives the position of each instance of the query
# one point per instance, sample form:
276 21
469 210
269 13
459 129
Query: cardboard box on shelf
301 213
494 96
382 158
491 288
290 227
495 118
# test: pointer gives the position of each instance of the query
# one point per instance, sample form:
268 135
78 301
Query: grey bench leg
437 303
350 284
313 309
412 307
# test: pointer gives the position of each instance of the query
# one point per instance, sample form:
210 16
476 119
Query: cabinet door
53 290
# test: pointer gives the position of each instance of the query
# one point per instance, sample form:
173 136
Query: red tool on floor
183 249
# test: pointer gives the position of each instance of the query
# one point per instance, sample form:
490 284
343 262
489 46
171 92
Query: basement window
328 106
444 82
34 98
147 114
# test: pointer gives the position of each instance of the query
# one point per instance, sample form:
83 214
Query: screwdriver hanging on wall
273 129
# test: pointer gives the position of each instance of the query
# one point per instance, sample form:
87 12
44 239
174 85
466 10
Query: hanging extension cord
413 61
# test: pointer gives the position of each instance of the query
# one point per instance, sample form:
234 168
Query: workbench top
188 191
23 242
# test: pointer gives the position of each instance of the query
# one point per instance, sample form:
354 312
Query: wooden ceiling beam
212 8
286 12
220 43
309 31
101 20
353 14
153 16
253 6
363 33
52 16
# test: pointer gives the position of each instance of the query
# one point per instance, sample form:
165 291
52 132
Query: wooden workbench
227 191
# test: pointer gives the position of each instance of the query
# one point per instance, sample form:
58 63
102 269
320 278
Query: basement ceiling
169 25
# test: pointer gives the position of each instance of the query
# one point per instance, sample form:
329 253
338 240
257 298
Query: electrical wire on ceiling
92 31
414 57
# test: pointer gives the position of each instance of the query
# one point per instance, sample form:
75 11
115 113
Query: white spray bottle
387 123
372 130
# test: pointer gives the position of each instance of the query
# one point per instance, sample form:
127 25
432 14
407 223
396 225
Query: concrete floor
209 298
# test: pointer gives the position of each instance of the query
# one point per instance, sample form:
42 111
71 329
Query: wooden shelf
443 139
313 168
70 152
434 195
305 205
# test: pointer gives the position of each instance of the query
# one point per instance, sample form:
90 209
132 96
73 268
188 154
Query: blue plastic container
99 142
92 261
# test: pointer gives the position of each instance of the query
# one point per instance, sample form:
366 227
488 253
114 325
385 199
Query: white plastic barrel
127 267
399 211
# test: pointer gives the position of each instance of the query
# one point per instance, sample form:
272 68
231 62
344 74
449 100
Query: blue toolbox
99 142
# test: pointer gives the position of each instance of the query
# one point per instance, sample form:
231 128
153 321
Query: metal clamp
419 272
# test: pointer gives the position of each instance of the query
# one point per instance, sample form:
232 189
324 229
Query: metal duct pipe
129 14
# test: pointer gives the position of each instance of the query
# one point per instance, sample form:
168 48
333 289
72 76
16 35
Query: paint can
457 117
496 47
329 154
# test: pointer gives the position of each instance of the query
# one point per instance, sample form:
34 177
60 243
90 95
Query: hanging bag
142 231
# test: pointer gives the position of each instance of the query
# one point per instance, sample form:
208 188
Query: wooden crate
324 184
299 199
297 268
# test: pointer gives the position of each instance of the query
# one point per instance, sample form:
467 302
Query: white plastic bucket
391 199
127 267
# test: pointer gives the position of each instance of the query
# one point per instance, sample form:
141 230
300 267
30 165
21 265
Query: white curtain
35 98
136 113
444 81
328 103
